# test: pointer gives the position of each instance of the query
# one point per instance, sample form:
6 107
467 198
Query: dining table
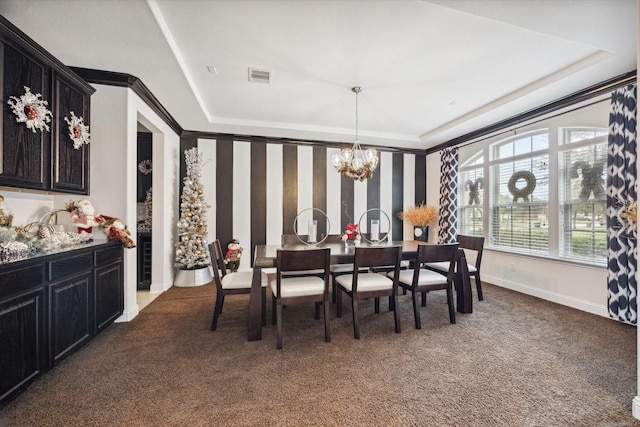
341 253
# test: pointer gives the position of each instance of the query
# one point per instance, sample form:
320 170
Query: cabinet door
109 294
70 164
25 160
22 337
70 316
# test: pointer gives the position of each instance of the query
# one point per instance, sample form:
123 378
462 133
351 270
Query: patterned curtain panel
448 215
621 191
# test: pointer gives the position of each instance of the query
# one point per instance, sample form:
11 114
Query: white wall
26 207
115 113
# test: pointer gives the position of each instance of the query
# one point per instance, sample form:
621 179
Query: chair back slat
217 262
302 260
379 256
473 243
430 253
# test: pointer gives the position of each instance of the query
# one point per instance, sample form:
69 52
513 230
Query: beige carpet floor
515 361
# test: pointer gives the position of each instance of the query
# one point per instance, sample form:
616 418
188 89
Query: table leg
255 306
463 285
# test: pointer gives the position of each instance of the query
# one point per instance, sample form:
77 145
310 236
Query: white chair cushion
366 282
444 266
344 268
440 266
404 264
241 279
303 272
298 286
341 268
426 277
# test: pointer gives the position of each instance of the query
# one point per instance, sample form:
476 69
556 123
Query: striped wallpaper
256 189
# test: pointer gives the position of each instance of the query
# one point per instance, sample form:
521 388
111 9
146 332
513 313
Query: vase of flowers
421 216
351 236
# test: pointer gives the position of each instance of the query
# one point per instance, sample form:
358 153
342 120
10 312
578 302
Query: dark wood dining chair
468 243
367 284
335 269
290 288
422 280
232 283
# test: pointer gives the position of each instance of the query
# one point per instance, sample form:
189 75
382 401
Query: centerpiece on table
351 236
421 216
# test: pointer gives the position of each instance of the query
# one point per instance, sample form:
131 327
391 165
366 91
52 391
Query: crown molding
110 78
591 92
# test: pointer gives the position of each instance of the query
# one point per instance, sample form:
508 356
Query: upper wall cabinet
25 154
31 156
70 162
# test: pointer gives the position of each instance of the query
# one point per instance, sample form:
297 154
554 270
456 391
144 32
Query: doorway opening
144 215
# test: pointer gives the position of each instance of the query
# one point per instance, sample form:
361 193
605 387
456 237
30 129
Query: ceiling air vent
260 76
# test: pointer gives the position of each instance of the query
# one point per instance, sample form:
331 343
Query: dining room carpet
515 361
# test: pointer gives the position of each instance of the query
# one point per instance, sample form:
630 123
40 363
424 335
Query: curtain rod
511 129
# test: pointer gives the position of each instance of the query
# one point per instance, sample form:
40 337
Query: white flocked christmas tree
191 249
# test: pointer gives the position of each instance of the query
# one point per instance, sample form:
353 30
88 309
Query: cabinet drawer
107 255
67 267
15 282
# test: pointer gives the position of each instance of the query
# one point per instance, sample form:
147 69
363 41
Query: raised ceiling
430 70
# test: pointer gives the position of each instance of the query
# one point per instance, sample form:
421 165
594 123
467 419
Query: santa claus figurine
84 215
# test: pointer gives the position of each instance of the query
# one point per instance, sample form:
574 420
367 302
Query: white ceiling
430 70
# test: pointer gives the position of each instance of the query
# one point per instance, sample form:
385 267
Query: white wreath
145 166
78 131
31 110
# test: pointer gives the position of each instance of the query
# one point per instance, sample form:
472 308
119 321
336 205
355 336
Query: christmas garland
522 193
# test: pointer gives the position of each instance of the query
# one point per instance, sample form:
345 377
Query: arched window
540 192
519 192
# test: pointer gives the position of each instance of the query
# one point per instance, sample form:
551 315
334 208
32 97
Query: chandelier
354 162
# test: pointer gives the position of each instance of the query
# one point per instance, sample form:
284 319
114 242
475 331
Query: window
470 207
582 177
519 193
541 192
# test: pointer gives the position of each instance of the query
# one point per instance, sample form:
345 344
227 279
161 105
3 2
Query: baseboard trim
635 407
155 287
128 315
576 303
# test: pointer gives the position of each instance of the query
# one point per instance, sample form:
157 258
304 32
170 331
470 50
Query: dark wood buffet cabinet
51 305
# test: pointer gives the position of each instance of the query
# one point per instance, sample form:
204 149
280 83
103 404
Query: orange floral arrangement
419 215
